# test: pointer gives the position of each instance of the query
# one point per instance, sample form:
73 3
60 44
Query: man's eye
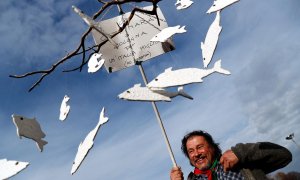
200 147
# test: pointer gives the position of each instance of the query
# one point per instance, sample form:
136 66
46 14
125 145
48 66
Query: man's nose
197 153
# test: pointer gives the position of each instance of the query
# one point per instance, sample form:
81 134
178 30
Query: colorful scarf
210 173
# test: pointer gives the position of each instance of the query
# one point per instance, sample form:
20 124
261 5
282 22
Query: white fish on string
211 40
85 146
220 4
138 93
64 108
166 33
183 4
180 77
95 62
31 129
9 169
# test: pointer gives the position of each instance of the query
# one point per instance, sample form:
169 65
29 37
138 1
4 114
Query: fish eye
128 91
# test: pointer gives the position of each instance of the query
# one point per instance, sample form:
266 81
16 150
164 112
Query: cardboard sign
133 43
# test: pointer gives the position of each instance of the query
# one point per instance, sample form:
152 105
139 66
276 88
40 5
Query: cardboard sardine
211 40
64 108
183 4
220 4
85 146
29 128
95 62
138 93
166 33
10 168
180 77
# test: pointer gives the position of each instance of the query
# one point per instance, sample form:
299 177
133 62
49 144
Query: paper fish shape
181 77
95 62
138 93
211 40
10 168
91 23
29 128
64 108
183 4
220 4
85 146
166 33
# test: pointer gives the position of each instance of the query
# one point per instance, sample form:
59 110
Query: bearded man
251 161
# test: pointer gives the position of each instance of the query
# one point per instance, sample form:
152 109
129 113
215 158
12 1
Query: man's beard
208 165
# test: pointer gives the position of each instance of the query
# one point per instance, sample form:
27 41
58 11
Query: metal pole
159 119
139 64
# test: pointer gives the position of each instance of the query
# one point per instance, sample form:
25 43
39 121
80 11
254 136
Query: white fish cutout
166 33
183 4
220 4
64 108
31 129
95 62
180 77
9 169
211 40
85 146
138 93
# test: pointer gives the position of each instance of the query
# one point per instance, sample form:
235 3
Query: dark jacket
258 159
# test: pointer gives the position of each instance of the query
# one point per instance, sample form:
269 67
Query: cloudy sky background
259 101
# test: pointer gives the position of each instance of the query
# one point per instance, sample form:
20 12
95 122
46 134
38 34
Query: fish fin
103 119
168 69
184 94
41 143
217 67
202 45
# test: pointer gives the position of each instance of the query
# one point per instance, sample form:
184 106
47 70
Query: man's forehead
196 140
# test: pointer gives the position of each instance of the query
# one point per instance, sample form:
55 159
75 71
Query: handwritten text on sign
133 44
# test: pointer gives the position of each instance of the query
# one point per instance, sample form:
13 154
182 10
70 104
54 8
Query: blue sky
259 101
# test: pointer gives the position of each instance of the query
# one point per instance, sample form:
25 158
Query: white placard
136 46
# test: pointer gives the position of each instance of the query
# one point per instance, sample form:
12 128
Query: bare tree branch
81 46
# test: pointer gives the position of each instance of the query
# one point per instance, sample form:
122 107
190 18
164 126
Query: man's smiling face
200 153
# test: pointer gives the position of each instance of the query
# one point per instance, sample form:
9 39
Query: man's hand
228 160
176 174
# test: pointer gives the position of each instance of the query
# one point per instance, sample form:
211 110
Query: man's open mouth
200 159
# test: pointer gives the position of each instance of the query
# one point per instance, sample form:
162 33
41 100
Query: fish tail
103 119
183 94
41 143
217 67
182 30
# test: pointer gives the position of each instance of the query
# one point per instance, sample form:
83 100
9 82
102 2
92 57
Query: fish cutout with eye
64 108
9 169
85 146
183 4
220 4
211 40
166 33
181 77
95 62
31 129
138 93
